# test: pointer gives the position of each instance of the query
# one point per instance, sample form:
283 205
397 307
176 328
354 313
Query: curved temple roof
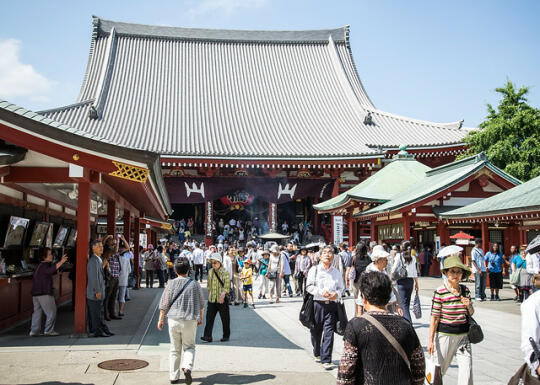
228 94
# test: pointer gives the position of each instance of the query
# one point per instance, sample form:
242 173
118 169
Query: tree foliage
510 135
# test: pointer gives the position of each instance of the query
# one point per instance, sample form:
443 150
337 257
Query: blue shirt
495 262
512 258
519 262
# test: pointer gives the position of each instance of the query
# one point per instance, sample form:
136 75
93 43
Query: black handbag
272 275
475 333
342 319
307 316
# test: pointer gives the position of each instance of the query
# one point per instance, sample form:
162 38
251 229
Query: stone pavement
268 346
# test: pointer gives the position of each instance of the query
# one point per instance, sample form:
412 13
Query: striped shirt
451 312
114 264
214 288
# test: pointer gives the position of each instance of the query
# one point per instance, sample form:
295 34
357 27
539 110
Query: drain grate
123 364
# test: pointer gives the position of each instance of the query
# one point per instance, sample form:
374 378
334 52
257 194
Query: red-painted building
281 116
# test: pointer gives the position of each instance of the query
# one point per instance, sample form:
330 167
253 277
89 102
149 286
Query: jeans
405 288
182 335
161 277
149 278
480 285
286 279
211 311
424 269
322 335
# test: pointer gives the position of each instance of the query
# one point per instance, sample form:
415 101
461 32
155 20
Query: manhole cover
125 364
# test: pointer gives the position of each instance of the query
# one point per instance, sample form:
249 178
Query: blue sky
433 60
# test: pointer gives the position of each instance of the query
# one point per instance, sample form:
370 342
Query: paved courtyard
268 346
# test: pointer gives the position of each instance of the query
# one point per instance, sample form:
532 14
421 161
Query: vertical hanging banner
272 216
209 220
337 227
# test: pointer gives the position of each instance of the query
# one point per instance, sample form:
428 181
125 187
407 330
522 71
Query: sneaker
253 305
497 298
318 359
245 305
51 334
32 334
327 366
492 298
207 339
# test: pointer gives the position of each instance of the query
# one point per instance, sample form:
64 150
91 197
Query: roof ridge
103 26
477 158
66 107
446 125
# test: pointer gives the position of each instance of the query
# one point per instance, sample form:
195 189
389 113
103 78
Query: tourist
368 356
346 257
303 264
149 265
379 258
359 263
524 285
479 269
183 303
495 261
286 256
275 273
236 268
449 327
198 262
161 265
405 284
218 284
43 294
513 254
425 260
112 275
326 285
533 266
247 282
207 253
95 292
125 268
263 263
530 328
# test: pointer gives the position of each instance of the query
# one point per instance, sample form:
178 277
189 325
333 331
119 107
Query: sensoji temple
174 123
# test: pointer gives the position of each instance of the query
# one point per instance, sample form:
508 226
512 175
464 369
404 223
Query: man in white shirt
530 328
198 261
533 265
479 270
326 285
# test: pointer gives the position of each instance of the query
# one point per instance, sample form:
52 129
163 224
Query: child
247 282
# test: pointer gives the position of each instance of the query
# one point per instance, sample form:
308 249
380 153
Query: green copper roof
524 197
385 184
438 179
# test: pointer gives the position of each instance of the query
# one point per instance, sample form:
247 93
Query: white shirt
533 263
232 222
373 267
412 272
227 264
125 268
530 326
320 280
198 256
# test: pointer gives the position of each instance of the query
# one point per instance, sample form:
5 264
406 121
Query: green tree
510 135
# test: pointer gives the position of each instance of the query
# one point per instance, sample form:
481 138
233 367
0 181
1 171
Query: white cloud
226 7
18 79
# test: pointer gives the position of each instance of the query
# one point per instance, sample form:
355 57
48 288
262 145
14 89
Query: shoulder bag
180 292
342 319
389 337
401 270
307 314
475 333
515 277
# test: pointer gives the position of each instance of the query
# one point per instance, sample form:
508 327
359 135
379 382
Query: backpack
360 265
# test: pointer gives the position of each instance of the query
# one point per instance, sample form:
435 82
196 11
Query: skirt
495 281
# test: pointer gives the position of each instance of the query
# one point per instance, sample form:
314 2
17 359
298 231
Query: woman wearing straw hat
449 327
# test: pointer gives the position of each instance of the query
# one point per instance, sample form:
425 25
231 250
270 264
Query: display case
61 237
41 230
72 239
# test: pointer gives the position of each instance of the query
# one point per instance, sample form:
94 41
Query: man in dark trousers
95 292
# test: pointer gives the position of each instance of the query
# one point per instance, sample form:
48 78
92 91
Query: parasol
449 250
534 245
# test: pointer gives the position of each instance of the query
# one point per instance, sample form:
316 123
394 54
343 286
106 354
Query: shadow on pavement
248 329
57 383
226 378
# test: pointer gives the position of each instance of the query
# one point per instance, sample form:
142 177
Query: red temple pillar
373 231
149 237
352 232
111 217
127 225
406 226
83 236
272 216
209 222
136 248
485 236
